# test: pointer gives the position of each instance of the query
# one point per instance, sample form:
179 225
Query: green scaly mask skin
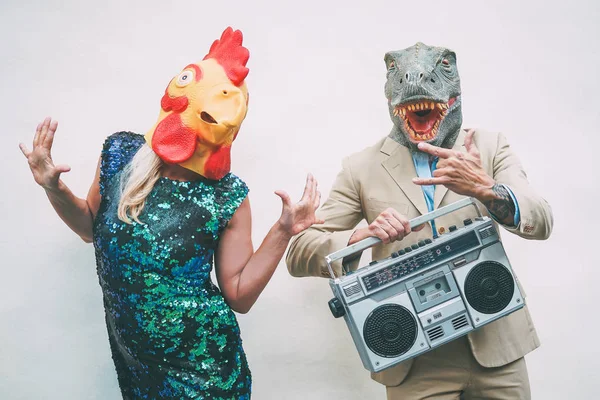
423 92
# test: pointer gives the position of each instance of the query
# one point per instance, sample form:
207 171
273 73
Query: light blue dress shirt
425 170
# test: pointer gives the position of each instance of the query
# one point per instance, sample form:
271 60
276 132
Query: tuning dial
467 221
421 243
427 241
452 228
336 307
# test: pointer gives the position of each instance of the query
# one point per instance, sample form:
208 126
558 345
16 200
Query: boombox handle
372 241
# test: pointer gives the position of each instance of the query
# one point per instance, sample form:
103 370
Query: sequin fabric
172 336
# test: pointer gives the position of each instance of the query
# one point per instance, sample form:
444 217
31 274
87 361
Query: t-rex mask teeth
422 119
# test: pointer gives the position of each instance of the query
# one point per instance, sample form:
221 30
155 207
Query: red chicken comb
231 55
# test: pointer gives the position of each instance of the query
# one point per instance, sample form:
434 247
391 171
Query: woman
157 213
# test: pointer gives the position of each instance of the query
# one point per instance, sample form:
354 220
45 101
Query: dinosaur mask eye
445 61
185 78
392 64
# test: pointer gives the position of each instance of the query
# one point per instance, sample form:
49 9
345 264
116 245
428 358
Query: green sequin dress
171 333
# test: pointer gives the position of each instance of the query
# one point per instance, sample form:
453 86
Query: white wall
529 69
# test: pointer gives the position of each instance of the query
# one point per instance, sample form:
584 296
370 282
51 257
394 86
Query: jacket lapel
401 168
441 190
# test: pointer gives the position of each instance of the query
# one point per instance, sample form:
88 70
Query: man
426 162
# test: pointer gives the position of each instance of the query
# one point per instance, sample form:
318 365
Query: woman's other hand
297 217
45 173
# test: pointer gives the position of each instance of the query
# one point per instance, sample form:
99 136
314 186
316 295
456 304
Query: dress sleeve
118 149
233 192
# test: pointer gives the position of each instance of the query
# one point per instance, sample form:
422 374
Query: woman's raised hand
45 173
297 217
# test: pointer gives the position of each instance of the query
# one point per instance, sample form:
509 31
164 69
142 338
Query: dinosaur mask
203 108
423 92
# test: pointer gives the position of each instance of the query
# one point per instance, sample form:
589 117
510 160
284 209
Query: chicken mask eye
185 78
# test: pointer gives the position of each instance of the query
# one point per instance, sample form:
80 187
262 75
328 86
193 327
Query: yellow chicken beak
224 109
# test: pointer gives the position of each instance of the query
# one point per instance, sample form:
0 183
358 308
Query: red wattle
218 163
172 141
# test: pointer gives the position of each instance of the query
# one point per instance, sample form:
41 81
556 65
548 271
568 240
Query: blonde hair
137 181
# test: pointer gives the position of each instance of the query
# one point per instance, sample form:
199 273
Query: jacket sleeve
341 212
535 213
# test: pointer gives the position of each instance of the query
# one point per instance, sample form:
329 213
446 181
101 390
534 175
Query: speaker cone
390 330
489 287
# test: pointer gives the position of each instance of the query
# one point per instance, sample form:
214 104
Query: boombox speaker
425 295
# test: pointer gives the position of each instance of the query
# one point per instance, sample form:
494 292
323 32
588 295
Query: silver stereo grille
487 232
351 289
460 322
435 333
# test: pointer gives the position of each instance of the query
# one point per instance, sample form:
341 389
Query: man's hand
460 172
463 173
389 226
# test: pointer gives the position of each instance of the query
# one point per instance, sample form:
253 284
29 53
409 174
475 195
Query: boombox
427 294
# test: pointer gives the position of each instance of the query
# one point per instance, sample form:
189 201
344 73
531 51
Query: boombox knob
336 307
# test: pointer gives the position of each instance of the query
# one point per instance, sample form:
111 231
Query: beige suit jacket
380 177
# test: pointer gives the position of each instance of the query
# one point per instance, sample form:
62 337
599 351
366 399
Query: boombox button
401 252
467 221
394 255
427 241
460 263
452 228
415 246
407 249
373 262
421 243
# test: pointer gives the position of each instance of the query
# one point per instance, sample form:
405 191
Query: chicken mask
203 108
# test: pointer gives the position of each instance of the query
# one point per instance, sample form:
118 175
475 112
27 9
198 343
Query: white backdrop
528 69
